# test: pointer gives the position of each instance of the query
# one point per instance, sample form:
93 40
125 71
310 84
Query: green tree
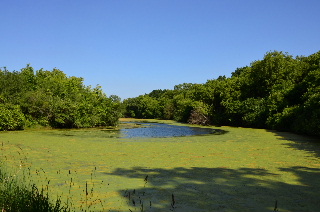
278 92
51 98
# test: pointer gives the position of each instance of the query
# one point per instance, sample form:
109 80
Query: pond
131 129
95 169
160 130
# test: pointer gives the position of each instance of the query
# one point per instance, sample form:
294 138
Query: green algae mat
240 170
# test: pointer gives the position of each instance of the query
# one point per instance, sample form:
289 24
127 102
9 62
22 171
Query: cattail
276 206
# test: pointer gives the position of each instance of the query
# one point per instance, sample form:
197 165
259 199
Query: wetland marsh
241 169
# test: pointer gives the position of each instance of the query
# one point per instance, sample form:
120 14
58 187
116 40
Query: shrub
11 117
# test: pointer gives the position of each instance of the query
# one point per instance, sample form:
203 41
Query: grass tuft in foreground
16 197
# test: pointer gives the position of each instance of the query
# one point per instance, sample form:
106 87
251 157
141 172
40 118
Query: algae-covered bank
239 170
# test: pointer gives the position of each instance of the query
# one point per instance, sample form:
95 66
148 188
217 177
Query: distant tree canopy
278 92
50 98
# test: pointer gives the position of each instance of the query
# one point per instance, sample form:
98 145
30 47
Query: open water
159 130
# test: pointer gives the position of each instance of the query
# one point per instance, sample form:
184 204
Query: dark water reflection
158 130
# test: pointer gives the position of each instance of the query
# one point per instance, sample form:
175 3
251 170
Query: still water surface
159 130
139 130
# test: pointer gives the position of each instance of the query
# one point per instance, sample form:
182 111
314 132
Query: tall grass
18 196
17 193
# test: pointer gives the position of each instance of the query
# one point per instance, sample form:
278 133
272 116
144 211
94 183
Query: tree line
50 98
279 92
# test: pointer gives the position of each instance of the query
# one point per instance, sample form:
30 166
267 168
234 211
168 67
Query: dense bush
50 98
278 92
11 117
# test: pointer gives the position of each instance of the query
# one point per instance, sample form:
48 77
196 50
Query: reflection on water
157 130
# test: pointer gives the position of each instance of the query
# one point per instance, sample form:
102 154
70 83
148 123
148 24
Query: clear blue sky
135 46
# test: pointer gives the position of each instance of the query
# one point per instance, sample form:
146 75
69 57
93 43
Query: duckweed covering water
241 170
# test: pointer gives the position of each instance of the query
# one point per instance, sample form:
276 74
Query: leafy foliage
50 98
11 117
278 92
